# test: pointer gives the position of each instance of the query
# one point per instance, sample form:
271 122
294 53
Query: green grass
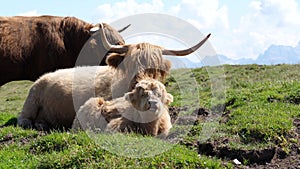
13 96
262 102
32 149
77 150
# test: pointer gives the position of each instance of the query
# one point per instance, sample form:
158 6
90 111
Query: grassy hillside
221 113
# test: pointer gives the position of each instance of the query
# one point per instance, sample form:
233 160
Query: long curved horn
185 51
108 46
121 30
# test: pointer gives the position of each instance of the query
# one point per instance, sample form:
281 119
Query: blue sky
240 28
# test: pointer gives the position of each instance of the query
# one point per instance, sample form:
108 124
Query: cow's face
140 59
113 36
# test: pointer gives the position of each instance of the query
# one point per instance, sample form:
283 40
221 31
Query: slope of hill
248 113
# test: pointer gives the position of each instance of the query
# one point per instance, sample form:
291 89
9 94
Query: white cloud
286 11
209 13
29 13
267 22
206 13
111 12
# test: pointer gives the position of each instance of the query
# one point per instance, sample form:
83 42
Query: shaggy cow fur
64 91
143 110
32 46
53 93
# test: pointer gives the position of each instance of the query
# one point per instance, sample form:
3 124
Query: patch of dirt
7 139
199 114
174 112
293 99
10 138
267 158
262 156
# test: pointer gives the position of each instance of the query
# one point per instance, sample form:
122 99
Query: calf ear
100 101
115 59
169 99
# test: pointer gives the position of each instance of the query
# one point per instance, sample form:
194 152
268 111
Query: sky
240 28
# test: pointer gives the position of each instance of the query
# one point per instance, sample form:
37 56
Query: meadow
246 112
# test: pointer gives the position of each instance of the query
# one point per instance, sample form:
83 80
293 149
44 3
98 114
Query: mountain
275 54
183 62
278 54
226 60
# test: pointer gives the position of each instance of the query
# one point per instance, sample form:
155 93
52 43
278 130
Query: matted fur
143 110
142 60
32 46
49 104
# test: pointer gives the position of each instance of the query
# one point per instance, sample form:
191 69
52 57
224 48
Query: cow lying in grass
144 110
61 93
54 99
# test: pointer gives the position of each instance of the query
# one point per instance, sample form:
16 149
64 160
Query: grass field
250 107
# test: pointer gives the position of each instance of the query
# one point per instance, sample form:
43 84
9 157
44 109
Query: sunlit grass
261 103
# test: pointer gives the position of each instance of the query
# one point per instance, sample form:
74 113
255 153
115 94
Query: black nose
153 104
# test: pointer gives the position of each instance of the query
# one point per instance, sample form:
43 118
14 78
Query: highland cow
32 46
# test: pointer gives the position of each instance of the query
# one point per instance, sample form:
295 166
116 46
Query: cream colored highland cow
54 98
144 110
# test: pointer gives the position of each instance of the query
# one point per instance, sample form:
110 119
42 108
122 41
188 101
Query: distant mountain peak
275 54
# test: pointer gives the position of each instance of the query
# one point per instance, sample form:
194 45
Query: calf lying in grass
143 110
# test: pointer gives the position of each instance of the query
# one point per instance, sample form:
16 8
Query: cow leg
41 122
29 112
41 126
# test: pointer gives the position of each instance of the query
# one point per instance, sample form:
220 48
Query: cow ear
115 59
128 96
167 65
169 99
165 69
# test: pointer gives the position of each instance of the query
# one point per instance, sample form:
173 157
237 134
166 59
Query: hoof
25 123
41 126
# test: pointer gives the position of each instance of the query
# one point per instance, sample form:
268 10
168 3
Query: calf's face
149 95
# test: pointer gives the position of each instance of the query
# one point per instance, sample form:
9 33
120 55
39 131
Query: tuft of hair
100 101
141 60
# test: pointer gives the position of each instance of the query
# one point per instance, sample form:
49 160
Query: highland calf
144 110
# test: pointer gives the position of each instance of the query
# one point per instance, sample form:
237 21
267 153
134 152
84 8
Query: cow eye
144 94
